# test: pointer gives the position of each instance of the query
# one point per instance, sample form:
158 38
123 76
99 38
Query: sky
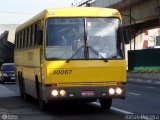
19 11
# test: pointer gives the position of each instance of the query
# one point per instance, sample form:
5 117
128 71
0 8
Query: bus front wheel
42 103
20 86
105 103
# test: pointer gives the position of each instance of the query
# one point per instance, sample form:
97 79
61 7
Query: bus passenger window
29 37
35 34
23 39
39 37
32 34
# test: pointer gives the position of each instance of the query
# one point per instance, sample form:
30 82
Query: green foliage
146 69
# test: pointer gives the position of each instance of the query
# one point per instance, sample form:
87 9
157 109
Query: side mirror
127 35
39 37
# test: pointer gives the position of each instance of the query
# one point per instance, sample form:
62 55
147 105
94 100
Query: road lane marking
134 94
150 87
116 109
126 112
121 111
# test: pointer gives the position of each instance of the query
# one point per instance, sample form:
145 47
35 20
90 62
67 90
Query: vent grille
88 84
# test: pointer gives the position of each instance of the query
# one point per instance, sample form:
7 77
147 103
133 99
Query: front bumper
8 79
93 92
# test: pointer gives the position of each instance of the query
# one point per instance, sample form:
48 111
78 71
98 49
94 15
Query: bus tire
105 104
25 95
20 86
42 104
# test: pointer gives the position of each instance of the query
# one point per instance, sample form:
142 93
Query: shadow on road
58 111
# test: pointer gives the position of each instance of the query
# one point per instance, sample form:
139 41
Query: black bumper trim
98 90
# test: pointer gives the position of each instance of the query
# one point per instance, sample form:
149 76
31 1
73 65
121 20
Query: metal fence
143 58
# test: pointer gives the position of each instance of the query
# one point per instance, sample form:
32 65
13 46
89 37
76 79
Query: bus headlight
5 74
55 92
118 91
111 91
62 92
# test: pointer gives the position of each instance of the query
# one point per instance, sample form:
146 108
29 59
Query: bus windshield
73 38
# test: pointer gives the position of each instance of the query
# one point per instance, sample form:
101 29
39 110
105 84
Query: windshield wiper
89 47
77 51
96 52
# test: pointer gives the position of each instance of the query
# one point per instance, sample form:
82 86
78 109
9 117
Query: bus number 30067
62 72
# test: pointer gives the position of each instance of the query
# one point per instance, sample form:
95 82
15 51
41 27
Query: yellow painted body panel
27 57
83 11
28 62
86 73
72 12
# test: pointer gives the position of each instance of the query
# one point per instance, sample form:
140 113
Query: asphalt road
140 99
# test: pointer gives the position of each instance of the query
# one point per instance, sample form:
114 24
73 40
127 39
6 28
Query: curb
155 82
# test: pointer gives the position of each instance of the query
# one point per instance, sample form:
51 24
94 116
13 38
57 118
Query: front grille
108 83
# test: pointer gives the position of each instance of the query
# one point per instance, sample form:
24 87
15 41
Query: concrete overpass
146 13
7 36
6 48
139 15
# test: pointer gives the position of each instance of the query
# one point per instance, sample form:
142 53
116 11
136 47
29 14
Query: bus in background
72 54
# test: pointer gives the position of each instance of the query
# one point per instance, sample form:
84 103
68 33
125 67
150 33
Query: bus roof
72 12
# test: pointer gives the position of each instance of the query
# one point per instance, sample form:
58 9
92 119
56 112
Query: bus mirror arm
127 35
123 35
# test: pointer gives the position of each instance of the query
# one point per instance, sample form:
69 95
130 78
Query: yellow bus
70 54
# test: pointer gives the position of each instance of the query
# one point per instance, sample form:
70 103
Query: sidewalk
151 78
5 92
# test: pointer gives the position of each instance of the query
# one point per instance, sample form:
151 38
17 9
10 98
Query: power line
16 12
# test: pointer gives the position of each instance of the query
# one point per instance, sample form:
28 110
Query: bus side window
29 37
32 35
39 34
25 38
39 37
21 40
16 40
35 34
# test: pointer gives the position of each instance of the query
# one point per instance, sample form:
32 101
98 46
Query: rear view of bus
81 56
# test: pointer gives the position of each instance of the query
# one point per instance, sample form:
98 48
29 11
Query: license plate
87 93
